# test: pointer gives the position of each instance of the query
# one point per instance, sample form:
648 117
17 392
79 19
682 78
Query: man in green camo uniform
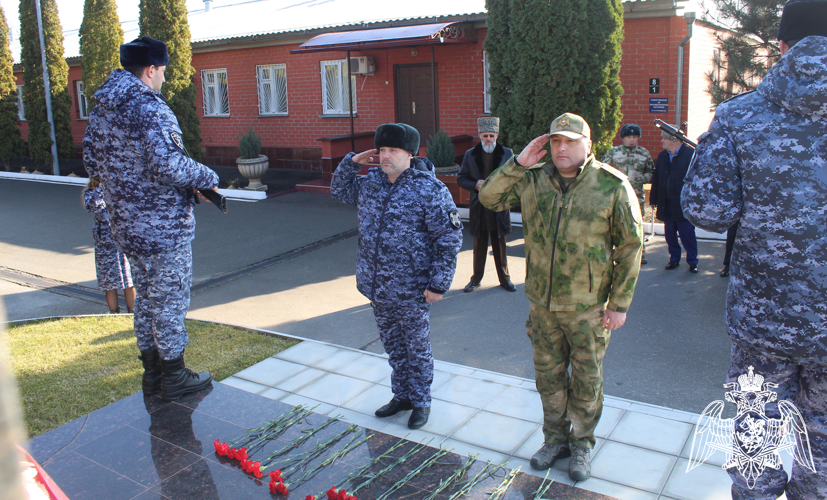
635 162
583 237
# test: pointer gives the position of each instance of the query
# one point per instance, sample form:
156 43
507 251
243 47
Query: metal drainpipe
48 91
689 17
206 5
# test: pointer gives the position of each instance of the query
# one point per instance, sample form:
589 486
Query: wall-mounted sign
658 104
654 85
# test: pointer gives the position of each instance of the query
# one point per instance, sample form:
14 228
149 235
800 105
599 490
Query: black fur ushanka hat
397 135
144 51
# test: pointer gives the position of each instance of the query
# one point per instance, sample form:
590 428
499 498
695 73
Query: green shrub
249 144
441 150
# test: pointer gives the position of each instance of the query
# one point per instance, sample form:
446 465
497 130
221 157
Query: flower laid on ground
221 448
309 497
341 494
278 487
275 475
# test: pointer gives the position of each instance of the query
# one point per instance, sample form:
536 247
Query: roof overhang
382 38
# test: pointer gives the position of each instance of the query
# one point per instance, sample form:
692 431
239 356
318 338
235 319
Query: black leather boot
151 383
179 380
419 417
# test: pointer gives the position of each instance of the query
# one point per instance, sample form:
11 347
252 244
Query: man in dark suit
477 165
667 181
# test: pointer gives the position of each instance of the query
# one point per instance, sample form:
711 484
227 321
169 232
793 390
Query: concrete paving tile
445 417
717 458
705 481
300 379
529 384
615 490
616 403
311 404
659 411
309 352
415 435
466 449
518 403
333 389
497 377
531 445
244 385
367 401
273 393
468 391
360 419
440 377
452 368
270 371
557 475
366 367
608 420
631 466
654 433
495 432
338 359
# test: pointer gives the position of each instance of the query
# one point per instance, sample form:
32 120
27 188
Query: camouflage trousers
806 387
162 298
405 332
111 267
572 405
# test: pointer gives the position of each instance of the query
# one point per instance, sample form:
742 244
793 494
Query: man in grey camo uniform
763 164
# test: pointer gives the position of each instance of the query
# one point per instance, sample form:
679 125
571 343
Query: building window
216 101
21 109
272 89
334 87
717 64
486 84
83 106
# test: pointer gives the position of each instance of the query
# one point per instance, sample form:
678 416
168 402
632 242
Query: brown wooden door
415 99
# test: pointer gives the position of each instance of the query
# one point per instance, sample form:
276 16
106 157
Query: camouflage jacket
93 200
133 145
409 231
636 163
762 163
582 246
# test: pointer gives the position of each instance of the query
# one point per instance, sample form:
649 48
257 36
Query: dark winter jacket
133 145
409 231
469 173
667 182
763 164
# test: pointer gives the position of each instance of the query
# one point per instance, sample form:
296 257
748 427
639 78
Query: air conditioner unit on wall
362 65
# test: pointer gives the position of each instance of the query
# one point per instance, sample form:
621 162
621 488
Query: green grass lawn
69 367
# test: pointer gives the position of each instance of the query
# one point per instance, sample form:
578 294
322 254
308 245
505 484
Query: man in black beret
763 165
409 236
133 146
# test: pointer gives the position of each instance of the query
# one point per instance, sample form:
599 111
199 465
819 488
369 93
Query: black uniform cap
803 18
397 135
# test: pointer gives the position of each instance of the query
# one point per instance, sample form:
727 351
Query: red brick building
297 100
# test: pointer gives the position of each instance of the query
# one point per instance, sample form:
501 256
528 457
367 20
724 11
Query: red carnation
331 493
231 453
352 497
281 488
216 444
273 485
257 469
342 495
275 475
309 497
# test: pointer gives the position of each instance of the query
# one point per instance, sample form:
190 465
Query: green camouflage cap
571 126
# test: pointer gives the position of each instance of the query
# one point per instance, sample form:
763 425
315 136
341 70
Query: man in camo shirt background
634 161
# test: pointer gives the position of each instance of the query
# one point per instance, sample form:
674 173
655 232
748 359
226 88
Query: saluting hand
364 156
533 152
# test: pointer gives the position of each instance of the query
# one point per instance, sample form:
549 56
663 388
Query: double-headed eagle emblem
751 440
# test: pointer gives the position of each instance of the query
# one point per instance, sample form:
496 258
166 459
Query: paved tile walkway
641 450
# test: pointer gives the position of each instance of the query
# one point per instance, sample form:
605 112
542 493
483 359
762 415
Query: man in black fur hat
133 146
409 236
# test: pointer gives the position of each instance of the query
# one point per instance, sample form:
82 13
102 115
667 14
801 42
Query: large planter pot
449 170
254 169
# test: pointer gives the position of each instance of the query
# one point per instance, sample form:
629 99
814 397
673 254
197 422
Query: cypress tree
548 58
40 142
101 36
746 55
11 144
166 20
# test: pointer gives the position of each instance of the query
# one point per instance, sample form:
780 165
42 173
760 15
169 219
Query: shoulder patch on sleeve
177 141
454 217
